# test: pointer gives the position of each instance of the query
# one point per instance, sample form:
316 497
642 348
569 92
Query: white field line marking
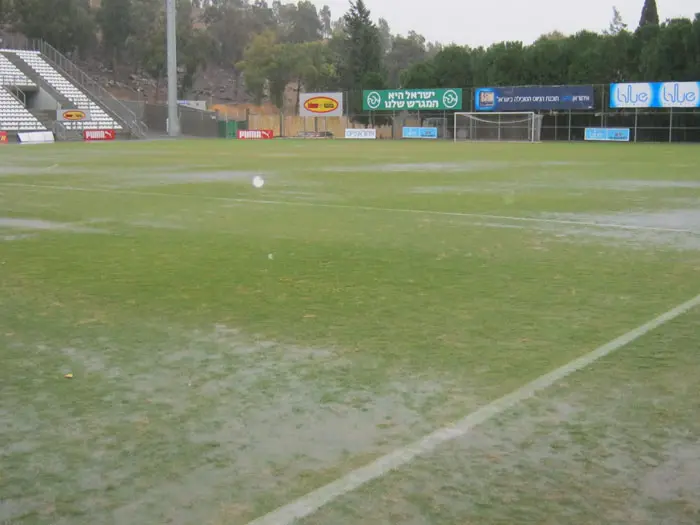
351 207
310 503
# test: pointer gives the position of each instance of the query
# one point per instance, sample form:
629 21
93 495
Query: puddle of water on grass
10 238
185 177
572 458
38 224
228 414
680 219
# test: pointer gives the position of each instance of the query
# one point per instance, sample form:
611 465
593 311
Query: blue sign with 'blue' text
539 98
419 133
608 134
655 95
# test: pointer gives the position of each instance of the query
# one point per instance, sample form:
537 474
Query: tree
65 24
453 67
326 21
666 56
650 14
114 19
616 23
6 11
385 35
511 63
404 52
255 64
363 51
419 76
305 24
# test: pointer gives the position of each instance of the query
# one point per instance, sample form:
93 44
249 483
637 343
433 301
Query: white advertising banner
351 133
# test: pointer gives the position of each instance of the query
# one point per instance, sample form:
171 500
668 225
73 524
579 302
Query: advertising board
655 95
36 137
320 104
255 134
201 105
411 99
72 115
92 135
539 98
3 137
419 133
352 133
607 134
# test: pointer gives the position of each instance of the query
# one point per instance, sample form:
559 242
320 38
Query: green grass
234 348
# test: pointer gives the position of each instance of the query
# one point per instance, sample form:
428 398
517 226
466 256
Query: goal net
508 127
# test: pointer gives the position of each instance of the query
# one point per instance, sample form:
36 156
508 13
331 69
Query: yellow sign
321 105
74 115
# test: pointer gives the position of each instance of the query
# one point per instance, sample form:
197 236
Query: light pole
173 120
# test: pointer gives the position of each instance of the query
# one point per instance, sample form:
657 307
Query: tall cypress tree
650 14
363 48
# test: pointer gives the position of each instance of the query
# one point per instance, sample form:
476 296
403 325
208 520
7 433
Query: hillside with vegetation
252 50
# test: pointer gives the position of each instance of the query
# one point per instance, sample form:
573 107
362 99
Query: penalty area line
482 216
313 501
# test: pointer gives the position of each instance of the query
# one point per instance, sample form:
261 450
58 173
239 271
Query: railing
92 88
14 95
60 131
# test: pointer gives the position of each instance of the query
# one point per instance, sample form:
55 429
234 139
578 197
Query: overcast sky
484 22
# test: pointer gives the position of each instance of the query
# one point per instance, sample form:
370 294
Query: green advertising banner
411 99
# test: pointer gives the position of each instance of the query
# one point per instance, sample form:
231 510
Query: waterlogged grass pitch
234 348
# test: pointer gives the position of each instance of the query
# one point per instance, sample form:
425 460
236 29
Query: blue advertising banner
608 134
419 133
534 98
655 95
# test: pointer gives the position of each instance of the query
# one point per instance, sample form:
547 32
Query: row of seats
100 119
14 116
10 75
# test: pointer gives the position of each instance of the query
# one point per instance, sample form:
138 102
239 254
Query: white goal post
497 126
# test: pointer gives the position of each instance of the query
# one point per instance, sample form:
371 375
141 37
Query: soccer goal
507 127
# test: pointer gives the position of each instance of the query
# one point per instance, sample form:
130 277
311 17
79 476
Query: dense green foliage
275 45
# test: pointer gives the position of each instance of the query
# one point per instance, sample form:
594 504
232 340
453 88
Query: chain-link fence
646 125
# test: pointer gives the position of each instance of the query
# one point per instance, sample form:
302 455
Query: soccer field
234 349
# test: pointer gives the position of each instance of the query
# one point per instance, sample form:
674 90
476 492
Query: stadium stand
99 118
